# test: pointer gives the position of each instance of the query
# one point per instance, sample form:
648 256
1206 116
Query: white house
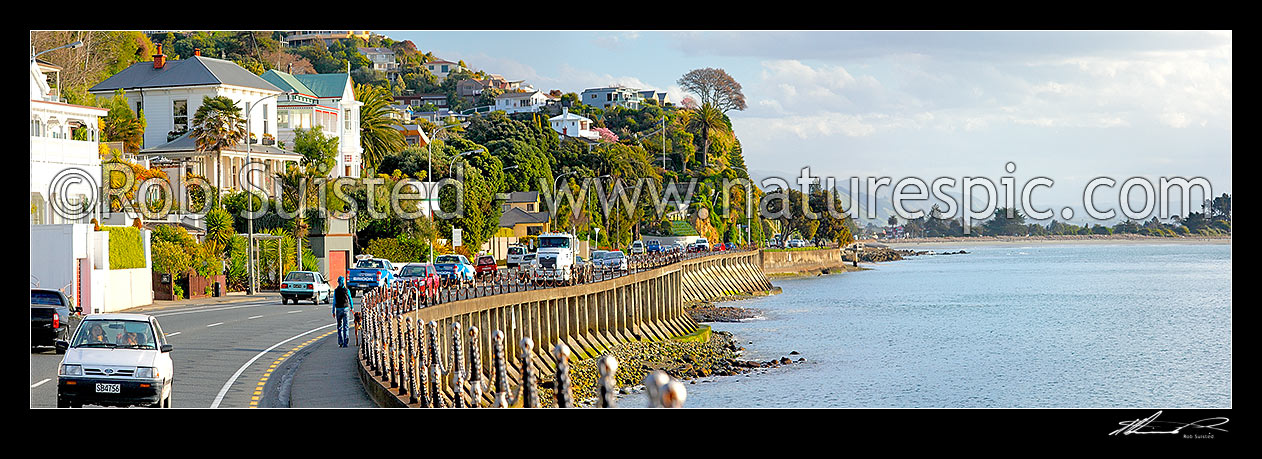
65 156
521 102
571 125
612 96
441 68
325 100
169 93
382 58
66 253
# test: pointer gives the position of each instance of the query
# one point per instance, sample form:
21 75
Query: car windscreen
486 260
299 277
554 242
448 259
413 271
120 333
45 298
615 255
369 264
515 250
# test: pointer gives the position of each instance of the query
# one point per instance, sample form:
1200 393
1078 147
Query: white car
795 242
637 248
115 360
614 259
516 256
701 245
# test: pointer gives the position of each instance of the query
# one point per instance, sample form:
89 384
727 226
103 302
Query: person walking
342 305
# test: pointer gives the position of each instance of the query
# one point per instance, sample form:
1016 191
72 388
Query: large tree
217 125
377 135
714 87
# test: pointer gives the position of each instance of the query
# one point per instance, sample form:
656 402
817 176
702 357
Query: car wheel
63 403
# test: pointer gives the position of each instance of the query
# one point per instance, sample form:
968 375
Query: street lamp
452 167
77 44
249 162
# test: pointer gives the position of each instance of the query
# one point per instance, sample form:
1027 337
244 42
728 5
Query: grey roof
186 146
194 71
516 95
514 216
523 196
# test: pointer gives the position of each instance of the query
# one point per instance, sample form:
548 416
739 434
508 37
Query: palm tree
217 125
219 232
377 133
710 122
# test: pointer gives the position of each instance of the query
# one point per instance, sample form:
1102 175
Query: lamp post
34 55
452 167
250 289
429 176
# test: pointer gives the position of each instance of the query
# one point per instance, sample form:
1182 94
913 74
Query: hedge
127 249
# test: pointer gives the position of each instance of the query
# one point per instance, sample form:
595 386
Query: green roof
287 82
325 85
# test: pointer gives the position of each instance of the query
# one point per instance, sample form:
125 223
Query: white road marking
252 317
173 334
214 324
210 309
224 391
291 312
40 383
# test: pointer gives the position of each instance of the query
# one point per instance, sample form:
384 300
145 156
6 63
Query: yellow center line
254 400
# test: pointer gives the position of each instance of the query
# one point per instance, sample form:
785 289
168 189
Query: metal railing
408 359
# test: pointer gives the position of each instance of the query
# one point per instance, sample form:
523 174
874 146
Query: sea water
1086 325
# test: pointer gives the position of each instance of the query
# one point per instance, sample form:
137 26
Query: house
169 93
612 96
438 99
325 100
64 145
307 37
66 251
570 125
413 134
441 68
521 214
382 58
522 102
661 97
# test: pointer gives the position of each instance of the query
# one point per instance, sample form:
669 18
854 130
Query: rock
785 361
794 353
802 359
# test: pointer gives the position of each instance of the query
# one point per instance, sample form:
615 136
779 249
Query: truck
555 258
370 273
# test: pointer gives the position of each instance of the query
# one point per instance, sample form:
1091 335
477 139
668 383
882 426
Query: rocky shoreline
709 312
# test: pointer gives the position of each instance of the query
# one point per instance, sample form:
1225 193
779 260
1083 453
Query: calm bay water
1055 325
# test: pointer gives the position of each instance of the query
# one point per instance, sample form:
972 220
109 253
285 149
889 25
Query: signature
1150 425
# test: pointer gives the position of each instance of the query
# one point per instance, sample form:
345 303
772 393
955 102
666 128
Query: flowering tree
689 103
606 135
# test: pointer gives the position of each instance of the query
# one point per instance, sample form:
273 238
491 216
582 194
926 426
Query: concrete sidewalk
327 377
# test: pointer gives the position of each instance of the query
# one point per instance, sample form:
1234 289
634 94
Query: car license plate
105 388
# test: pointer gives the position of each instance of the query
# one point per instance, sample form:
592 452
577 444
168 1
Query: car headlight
146 372
70 370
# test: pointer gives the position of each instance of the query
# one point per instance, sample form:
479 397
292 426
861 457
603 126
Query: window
282 119
179 115
530 207
265 131
444 69
347 117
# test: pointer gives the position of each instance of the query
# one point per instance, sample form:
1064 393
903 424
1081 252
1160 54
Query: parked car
796 242
486 267
700 245
515 255
370 273
637 248
720 247
614 259
305 285
423 273
51 315
454 269
653 247
115 360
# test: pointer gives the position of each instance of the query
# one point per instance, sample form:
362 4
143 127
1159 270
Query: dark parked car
50 317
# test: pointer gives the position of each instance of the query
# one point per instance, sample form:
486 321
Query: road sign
455 237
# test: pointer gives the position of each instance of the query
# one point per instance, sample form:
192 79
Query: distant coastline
1054 239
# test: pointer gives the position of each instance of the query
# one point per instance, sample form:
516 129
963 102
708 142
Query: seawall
589 318
801 261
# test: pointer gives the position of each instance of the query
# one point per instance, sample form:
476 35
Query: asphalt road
255 353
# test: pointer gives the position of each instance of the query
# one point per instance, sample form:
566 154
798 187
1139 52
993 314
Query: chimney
289 68
197 51
159 60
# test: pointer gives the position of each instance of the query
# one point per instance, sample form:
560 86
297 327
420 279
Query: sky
1069 106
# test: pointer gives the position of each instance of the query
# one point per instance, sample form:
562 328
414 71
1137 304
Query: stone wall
801 261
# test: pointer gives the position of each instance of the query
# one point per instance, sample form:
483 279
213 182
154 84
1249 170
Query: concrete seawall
588 318
801 261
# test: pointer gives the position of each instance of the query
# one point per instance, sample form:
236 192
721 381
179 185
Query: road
241 355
